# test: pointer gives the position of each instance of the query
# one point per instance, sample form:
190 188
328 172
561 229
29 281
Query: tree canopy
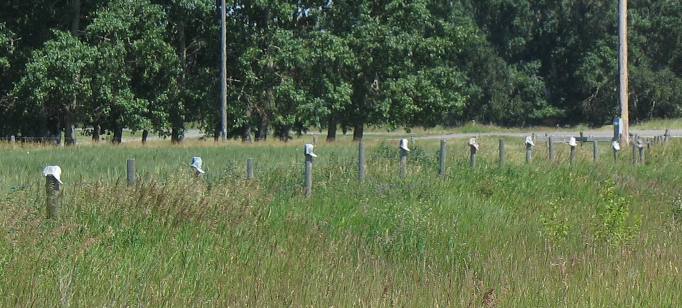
296 65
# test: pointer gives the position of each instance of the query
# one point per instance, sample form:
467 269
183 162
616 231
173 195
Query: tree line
294 65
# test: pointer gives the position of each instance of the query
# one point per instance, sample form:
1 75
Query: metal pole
223 72
623 68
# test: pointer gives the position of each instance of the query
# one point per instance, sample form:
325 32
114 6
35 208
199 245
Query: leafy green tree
407 73
6 47
267 86
57 83
6 51
595 75
294 65
136 81
192 31
328 81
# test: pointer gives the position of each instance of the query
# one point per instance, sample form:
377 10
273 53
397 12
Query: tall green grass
544 234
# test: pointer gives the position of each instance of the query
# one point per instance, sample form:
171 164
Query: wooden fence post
53 187
196 165
473 150
529 149
573 152
403 163
641 153
666 136
441 158
308 176
529 153
634 153
501 159
403 158
582 138
550 145
595 150
249 169
132 178
361 161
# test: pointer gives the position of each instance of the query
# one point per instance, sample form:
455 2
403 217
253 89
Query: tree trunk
247 130
118 135
69 129
358 131
178 112
145 134
331 129
76 17
246 134
96 130
282 132
177 134
262 134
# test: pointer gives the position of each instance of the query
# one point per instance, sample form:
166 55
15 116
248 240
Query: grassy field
544 234
478 128
381 133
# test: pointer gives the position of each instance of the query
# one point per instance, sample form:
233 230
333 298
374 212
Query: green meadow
544 234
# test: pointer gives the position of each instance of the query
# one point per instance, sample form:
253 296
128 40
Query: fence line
639 146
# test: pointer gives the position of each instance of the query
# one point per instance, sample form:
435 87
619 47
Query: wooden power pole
223 72
623 68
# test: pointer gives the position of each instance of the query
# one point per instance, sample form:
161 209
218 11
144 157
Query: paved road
539 134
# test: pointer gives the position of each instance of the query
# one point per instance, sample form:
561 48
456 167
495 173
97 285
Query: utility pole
223 72
623 68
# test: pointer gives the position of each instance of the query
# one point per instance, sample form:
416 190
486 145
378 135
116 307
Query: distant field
193 133
538 235
473 127
660 124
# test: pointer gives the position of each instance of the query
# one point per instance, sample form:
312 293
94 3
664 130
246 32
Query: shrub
614 222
